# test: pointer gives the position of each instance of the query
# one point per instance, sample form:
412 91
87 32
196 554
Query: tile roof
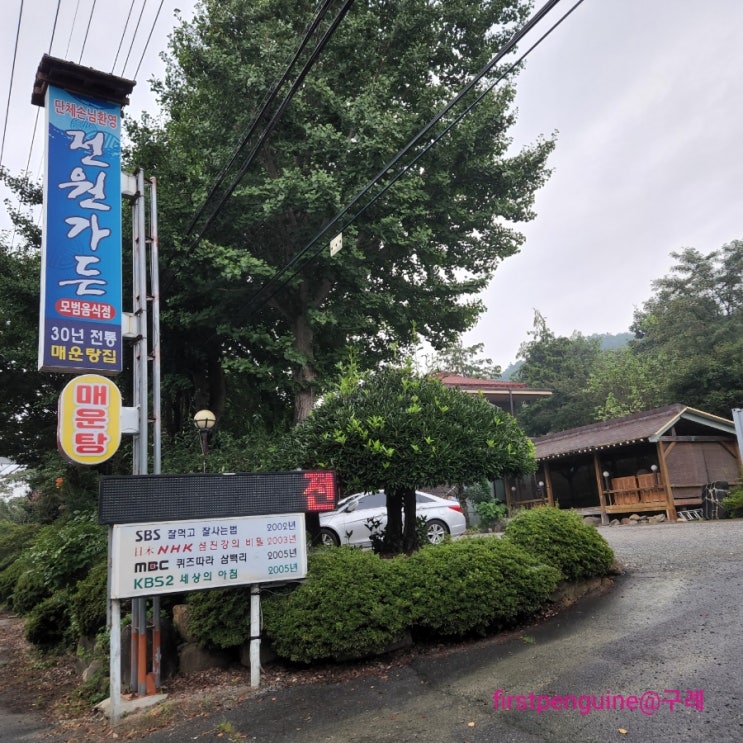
457 380
648 425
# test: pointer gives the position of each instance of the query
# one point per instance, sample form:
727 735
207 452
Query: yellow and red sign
89 419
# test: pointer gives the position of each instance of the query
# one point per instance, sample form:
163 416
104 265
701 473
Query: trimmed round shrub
89 601
49 623
474 585
560 538
351 606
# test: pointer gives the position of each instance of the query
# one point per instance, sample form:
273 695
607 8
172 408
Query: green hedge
48 625
475 585
89 601
352 605
560 538
220 618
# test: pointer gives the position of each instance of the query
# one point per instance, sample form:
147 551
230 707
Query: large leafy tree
416 258
398 431
457 358
624 382
28 403
694 323
564 366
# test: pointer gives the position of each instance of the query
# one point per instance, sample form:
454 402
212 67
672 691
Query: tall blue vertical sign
81 294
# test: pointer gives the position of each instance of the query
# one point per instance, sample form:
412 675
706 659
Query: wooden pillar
600 486
548 484
670 505
507 488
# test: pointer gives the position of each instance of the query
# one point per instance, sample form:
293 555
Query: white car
349 523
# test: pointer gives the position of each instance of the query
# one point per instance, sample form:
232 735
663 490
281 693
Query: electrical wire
87 31
10 86
149 37
270 97
72 28
253 304
320 46
134 36
123 34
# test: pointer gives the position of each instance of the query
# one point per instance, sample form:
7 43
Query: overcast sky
645 97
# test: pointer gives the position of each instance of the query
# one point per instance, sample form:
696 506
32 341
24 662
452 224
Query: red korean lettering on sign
91 419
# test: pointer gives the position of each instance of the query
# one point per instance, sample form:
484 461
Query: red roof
457 380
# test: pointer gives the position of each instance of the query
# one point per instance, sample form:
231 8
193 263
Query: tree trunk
410 541
393 533
304 374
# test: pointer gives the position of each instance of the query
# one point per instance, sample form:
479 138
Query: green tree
416 258
28 404
624 382
396 430
465 360
693 325
562 365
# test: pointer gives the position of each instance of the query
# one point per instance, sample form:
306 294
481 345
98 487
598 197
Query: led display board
150 498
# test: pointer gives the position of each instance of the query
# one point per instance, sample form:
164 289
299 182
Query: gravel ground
665 551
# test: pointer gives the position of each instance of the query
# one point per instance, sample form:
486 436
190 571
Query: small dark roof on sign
648 426
77 79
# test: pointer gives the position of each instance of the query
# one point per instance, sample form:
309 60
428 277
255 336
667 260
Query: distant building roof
649 425
501 392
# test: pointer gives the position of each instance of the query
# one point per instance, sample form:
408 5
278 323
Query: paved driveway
670 628
672 623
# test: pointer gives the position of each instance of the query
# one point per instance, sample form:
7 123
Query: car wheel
329 538
436 531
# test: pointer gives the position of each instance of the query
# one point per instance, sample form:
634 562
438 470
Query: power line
253 304
320 46
10 86
123 34
72 28
270 97
134 36
87 31
147 43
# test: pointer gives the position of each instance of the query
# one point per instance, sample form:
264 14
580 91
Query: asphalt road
671 625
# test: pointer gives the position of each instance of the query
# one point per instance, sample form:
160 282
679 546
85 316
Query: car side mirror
352 506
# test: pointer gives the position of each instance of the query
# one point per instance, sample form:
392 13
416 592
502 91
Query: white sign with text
183 556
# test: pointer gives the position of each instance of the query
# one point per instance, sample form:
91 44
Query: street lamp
204 420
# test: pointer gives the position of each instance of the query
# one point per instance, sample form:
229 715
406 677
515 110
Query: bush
220 618
733 504
8 581
63 554
350 606
14 538
560 538
88 603
49 623
475 585
29 588
491 512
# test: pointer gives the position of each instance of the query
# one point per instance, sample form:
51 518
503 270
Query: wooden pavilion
657 460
